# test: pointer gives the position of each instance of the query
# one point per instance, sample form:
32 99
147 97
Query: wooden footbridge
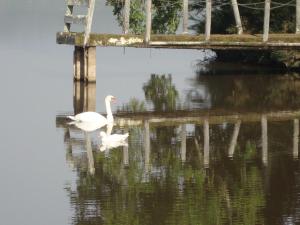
85 42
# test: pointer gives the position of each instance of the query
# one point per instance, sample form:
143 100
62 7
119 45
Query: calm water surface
224 151
201 149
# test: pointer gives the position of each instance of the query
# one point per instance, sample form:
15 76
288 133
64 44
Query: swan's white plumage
89 117
94 117
87 126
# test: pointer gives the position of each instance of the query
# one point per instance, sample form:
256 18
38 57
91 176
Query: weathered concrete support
297 16
84 97
237 16
296 139
148 21
126 16
266 20
208 20
84 63
185 20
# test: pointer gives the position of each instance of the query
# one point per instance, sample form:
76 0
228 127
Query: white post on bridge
266 20
208 20
148 21
185 16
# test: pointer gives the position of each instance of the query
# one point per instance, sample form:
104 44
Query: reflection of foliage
134 105
165 18
244 93
161 92
173 193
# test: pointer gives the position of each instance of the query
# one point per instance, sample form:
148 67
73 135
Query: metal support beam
208 20
148 21
266 20
126 14
185 12
297 16
237 16
89 21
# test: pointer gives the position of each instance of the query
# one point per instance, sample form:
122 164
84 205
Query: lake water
201 149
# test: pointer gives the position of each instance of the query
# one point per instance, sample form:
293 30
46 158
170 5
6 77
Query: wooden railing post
297 16
266 20
185 12
126 17
148 21
237 16
208 20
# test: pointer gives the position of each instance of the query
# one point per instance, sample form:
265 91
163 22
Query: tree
165 18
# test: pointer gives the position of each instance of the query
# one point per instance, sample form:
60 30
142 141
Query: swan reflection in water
110 141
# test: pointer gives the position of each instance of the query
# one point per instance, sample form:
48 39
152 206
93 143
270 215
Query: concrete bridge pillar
84 63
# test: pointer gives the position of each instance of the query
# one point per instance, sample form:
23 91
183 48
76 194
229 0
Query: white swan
88 126
113 140
94 117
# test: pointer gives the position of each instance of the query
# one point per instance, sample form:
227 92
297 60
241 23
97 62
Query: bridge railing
208 17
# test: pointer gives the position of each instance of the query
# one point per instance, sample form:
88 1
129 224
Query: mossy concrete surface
217 41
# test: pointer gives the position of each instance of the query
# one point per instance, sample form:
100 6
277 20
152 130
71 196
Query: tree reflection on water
170 180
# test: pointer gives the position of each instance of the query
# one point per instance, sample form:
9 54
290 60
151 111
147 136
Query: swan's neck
109 115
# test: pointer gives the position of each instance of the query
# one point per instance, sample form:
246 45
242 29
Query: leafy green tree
165 18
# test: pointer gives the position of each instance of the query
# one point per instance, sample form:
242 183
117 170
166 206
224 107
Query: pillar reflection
296 139
206 143
234 138
183 142
264 128
84 97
